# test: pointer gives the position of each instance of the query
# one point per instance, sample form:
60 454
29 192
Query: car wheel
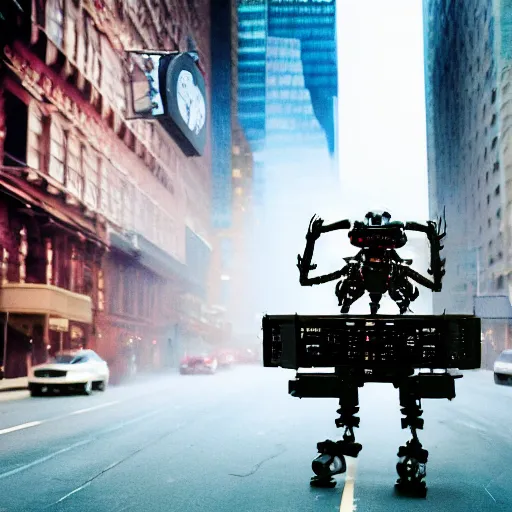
101 386
87 388
36 391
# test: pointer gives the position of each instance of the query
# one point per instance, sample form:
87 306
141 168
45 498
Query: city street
236 441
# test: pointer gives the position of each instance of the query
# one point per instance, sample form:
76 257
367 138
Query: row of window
95 180
77 36
93 54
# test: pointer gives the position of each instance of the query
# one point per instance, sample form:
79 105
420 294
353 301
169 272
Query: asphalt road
236 441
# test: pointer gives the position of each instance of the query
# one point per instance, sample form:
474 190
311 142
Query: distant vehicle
503 367
225 358
201 363
74 370
248 356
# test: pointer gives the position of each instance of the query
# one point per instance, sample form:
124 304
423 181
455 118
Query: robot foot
411 472
327 463
411 489
323 482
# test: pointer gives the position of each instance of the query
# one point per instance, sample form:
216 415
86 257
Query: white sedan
503 367
78 370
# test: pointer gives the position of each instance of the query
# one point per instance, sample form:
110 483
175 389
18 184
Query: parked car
503 367
200 363
74 370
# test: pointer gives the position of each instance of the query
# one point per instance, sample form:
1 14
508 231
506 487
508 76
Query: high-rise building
287 88
313 24
468 69
232 169
252 47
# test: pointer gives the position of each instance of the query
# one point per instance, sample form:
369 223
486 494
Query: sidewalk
13 384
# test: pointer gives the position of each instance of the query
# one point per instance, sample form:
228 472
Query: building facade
469 100
105 222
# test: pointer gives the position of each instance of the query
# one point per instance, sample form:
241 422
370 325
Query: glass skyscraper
252 43
313 23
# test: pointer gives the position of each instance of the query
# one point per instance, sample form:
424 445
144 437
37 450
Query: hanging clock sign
185 99
169 87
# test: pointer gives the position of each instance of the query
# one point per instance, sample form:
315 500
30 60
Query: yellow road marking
347 496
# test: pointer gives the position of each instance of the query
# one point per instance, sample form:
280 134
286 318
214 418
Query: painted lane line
20 427
78 444
347 497
94 408
41 422
42 459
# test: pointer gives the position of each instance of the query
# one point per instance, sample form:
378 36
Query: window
498 213
49 261
57 152
90 166
5 265
494 142
497 191
73 280
101 290
128 206
237 173
129 293
55 21
93 55
116 195
74 177
111 76
493 96
22 254
36 148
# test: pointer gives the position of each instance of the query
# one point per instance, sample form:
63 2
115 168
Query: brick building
104 222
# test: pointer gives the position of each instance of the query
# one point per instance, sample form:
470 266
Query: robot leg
411 466
331 459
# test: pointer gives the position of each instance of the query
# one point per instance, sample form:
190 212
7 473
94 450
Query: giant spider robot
377 269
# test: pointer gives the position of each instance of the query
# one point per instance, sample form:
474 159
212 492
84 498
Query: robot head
377 218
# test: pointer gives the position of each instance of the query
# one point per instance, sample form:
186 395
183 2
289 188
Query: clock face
191 103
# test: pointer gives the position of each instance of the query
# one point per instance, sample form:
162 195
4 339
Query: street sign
59 324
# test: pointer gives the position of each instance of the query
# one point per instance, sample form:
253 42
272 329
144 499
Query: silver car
503 367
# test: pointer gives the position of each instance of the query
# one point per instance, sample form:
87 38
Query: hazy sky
382 133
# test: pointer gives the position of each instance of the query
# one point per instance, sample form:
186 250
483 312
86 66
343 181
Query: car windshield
68 359
505 357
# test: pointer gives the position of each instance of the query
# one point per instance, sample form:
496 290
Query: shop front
39 320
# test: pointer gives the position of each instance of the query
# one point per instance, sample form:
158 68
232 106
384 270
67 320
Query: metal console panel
383 342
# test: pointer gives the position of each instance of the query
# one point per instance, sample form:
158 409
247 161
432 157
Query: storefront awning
42 299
